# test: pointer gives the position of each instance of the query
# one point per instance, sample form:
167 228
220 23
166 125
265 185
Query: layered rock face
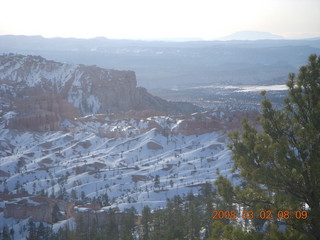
42 112
43 92
41 209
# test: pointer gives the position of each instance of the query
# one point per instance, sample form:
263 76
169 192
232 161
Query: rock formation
43 92
41 209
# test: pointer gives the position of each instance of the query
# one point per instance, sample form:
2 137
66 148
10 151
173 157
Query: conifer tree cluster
280 165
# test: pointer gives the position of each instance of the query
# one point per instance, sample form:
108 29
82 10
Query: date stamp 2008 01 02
268 215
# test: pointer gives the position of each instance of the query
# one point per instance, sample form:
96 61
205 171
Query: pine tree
158 222
104 200
193 221
170 226
42 232
56 215
74 195
281 165
145 221
12 233
31 230
112 227
157 181
208 199
5 233
178 218
127 225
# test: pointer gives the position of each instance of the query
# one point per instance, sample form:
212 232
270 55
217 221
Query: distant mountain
251 35
160 64
171 39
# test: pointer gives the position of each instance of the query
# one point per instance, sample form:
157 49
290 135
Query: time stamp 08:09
268 215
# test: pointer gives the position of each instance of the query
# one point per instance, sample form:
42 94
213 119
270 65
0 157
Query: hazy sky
143 19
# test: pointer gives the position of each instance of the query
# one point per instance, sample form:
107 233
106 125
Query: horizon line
164 39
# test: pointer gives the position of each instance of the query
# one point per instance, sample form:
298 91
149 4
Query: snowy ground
123 167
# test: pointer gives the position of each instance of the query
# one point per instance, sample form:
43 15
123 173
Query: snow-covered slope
124 166
90 89
136 158
100 154
33 70
96 155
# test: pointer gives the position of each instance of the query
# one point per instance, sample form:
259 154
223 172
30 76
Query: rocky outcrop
41 209
43 92
131 125
4 173
42 113
206 122
137 178
154 146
